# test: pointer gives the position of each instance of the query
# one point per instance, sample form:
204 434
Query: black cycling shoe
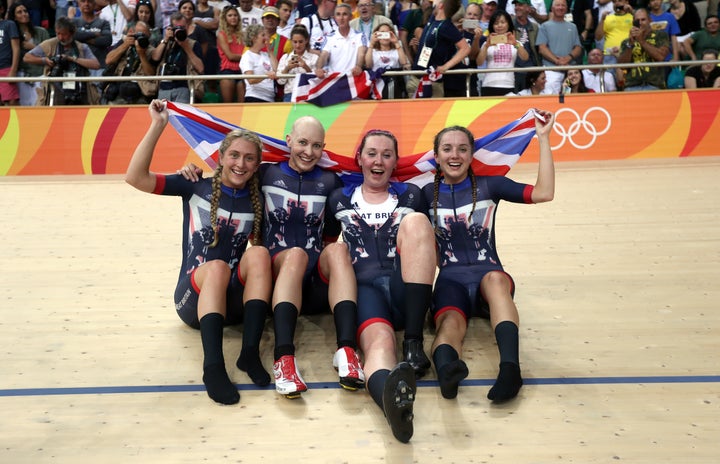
398 399
414 355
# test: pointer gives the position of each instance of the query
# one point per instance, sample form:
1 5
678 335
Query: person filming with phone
299 60
367 21
500 50
644 45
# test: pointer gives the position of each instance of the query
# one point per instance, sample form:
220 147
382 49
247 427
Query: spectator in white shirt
344 51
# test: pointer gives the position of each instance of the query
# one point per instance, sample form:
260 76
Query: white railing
468 72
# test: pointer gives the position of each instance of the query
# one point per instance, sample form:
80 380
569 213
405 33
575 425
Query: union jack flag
424 88
494 153
337 88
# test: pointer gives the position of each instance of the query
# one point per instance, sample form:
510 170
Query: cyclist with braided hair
311 270
471 281
220 216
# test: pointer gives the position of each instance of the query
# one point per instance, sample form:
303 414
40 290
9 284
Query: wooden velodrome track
617 289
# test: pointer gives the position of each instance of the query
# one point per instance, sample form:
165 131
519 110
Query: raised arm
545 184
138 172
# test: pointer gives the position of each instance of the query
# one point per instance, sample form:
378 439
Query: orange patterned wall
100 140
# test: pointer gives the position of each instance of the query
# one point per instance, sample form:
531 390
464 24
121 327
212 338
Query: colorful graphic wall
100 140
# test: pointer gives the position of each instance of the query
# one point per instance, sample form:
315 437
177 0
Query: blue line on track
120 390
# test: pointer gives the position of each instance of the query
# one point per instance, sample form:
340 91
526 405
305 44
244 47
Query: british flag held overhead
494 153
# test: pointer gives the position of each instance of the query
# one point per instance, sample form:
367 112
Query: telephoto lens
142 40
179 33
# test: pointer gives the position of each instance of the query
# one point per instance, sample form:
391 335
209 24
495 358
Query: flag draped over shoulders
494 154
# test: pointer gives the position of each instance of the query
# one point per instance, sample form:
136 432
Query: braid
471 174
214 203
436 194
254 182
473 182
257 209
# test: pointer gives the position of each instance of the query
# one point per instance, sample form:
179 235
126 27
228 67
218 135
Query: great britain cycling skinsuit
295 217
235 223
371 234
467 243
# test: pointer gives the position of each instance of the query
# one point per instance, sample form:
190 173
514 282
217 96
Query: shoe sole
291 395
351 384
398 398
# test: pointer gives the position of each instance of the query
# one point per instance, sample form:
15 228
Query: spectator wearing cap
278 45
536 10
368 21
489 7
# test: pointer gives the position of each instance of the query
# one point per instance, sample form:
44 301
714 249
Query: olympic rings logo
577 125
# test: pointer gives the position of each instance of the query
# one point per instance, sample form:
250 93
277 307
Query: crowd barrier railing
467 72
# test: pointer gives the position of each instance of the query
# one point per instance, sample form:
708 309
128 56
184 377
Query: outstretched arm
138 172
545 185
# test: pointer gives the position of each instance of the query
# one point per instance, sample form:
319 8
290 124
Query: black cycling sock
444 354
417 302
345 315
506 334
218 384
285 316
376 386
450 370
509 380
508 383
211 335
249 361
255 312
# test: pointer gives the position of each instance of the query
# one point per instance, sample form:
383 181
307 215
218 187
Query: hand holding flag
494 153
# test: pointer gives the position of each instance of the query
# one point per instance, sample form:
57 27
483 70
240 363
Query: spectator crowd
276 38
